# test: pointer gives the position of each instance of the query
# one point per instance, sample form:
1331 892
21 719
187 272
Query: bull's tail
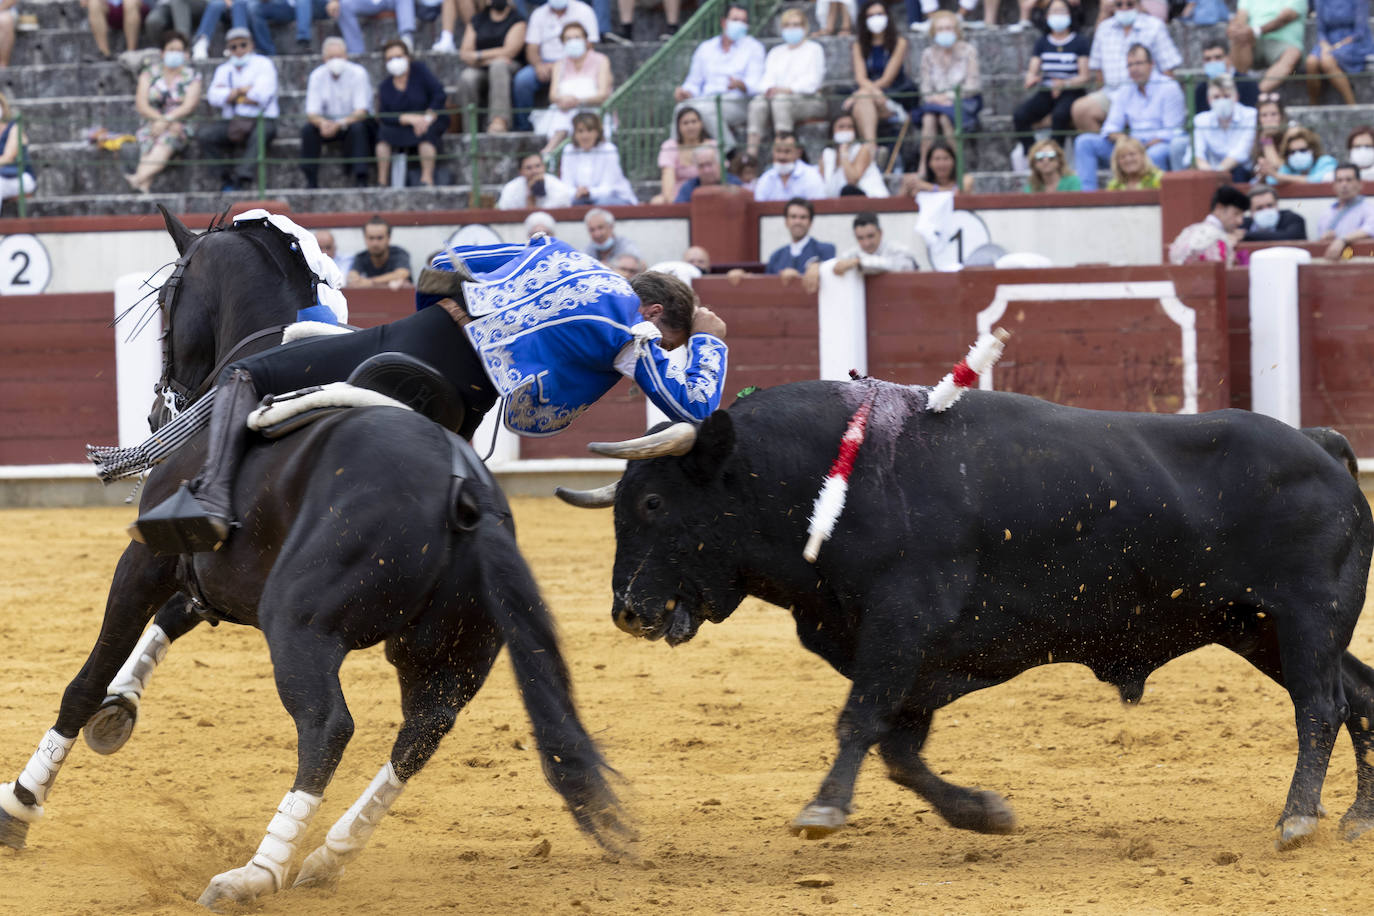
572 762
1335 445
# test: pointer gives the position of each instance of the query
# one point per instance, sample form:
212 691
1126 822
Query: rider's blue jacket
556 329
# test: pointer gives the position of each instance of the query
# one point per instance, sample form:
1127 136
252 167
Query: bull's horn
675 440
600 498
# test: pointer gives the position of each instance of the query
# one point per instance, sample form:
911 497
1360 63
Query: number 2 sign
25 267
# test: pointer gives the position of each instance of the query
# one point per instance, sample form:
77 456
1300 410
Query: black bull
1005 534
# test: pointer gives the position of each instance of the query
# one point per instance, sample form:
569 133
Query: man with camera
533 188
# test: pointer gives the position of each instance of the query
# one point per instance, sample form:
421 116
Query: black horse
381 546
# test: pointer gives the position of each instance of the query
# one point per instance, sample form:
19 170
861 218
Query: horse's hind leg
306 664
113 723
141 583
434 687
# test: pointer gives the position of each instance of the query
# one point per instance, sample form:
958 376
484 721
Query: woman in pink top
581 81
675 157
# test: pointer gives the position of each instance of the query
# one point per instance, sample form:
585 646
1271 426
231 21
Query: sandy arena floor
1164 808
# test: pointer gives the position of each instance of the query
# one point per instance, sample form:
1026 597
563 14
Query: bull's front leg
857 732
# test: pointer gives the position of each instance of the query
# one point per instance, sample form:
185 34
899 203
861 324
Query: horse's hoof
1294 831
241 885
13 831
321 868
816 821
994 815
1354 826
109 728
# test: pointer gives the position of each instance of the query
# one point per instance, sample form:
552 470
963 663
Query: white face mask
1363 156
945 39
784 168
1224 107
575 47
398 66
242 61
1265 219
1058 22
1124 17
335 66
844 136
876 24
173 59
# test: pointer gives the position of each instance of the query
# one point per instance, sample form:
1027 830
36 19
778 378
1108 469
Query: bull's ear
715 442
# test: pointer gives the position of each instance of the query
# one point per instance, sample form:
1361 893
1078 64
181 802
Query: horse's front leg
141 583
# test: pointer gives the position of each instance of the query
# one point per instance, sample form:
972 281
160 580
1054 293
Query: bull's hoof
13 831
242 885
110 727
321 868
983 811
1294 831
1355 824
816 821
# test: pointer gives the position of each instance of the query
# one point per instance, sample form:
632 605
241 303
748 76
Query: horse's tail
572 762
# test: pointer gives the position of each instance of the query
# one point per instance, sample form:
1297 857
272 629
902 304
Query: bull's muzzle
626 619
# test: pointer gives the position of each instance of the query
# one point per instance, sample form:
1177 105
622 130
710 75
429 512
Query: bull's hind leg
141 583
434 688
1358 680
306 665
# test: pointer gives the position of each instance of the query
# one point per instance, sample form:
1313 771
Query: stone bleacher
63 89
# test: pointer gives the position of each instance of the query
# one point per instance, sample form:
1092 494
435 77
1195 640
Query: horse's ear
181 235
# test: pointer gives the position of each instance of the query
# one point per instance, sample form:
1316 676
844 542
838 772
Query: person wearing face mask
948 64
168 93
491 48
1107 62
1303 161
409 105
1058 73
605 245
581 82
789 177
850 167
1269 34
1216 61
1223 135
544 48
244 89
1149 108
790 89
1359 149
728 67
338 105
1267 223
878 58
1350 218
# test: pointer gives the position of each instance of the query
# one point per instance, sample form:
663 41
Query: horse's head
226 285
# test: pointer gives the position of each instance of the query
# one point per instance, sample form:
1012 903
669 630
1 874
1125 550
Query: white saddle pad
335 394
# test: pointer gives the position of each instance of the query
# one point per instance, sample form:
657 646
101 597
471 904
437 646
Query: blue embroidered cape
555 329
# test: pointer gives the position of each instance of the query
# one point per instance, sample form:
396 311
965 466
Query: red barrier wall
1337 342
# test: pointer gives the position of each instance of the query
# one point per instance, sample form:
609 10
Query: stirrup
179 524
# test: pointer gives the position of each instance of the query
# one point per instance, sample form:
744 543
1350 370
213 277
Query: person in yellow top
1132 169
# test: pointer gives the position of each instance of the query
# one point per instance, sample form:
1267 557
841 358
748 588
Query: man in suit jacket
803 253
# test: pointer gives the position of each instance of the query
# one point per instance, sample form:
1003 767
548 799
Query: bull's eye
652 502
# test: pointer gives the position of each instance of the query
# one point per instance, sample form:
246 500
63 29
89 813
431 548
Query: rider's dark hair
668 291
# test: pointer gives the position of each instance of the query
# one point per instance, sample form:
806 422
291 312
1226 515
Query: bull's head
676 561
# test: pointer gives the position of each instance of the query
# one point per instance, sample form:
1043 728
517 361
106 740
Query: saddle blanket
279 408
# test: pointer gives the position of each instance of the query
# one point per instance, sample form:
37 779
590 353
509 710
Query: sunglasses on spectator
1046 154
1268 97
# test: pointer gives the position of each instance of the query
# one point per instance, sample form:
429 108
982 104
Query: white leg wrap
351 832
133 678
41 770
11 805
265 873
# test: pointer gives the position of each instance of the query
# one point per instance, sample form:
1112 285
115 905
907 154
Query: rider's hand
705 321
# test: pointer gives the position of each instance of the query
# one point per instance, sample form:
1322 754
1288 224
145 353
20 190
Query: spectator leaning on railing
1150 107
167 95
727 68
1350 218
1107 61
802 256
1058 72
534 187
1223 135
244 89
12 180
410 102
872 254
380 264
941 172
1268 34
338 106
492 44
790 89
1267 223
544 48
1213 239
1343 44
878 56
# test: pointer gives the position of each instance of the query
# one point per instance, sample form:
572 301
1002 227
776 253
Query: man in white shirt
873 255
730 67
534 187
338 101
1107 61
790 89
789 177
244 89
544 48
1223 135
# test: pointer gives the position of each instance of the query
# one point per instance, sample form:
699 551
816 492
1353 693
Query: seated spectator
729 66
699 258
1268 34
1216 61
606 246
1223 135
803 253
1273 122
1213 239
921 14
790 89
408 104
380 264
1303 161
708 174
789 177
446 11
581 82
677 156
325 239
1049 169
1343 43
1206 12
1131 168
949 64
261 15
544 48
1108 61
1351 216
873 255
1267 223
591 165
1359 149
12 141
104 15
244 89
534 187
491 49
167 95
850 166
627 265
254 15
171 16
540 222
744 167
352 31
1150 107
9 22
835 17
878 57
940 174
1058 73
338 108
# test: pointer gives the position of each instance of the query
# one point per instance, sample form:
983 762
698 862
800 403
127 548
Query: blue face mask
1214 68
1124 17
1265 219
1300 161
735 30
945 39
1058 22
793 35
